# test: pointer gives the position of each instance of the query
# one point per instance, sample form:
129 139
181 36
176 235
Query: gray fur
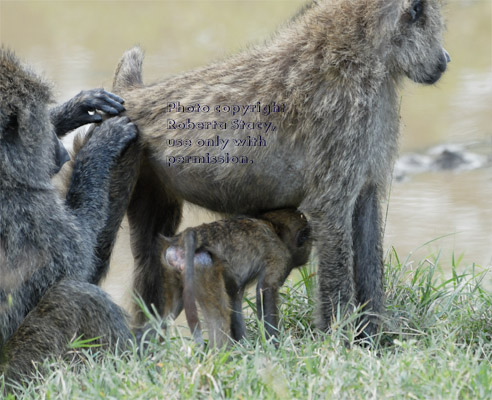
123 180
45 240
337 66
69 310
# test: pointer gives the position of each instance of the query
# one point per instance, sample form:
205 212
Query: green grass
436 344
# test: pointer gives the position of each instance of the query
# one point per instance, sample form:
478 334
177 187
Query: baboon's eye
11 127
302 237
416 10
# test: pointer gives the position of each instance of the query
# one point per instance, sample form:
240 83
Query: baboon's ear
164 240
390 14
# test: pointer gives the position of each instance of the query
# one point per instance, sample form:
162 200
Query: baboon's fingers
109 109
94 118
114 97
102 100
127 131
109 141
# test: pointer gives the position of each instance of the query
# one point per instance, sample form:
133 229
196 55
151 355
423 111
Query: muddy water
77 45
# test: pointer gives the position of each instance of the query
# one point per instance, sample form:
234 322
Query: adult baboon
334 70
47 245
221 259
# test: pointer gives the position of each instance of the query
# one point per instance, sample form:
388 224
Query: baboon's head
380 37
292 227
30 152
416 45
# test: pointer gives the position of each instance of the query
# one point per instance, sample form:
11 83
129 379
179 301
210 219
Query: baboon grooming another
337 67
47 245
219 260
123 179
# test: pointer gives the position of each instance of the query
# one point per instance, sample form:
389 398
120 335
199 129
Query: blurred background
77 44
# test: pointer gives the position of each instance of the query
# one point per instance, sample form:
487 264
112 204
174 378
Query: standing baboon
47 245
221 259
309 119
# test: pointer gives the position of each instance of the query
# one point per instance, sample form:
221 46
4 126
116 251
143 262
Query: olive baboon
221 259
334 70
47 246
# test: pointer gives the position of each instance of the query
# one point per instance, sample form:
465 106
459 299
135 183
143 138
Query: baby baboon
221 259
47 245
320 101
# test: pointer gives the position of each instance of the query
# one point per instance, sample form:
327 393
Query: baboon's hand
90 101
113 136
83 109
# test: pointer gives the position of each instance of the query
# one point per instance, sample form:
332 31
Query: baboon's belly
222 183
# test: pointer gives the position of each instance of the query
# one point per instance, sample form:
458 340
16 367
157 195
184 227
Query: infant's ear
164 240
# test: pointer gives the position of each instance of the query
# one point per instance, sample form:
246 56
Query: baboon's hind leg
152 211
69 310
238 327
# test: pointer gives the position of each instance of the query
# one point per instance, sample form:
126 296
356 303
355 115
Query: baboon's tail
189 300
129 71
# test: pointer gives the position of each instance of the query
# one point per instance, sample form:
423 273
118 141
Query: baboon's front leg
335 271
123 180
368 254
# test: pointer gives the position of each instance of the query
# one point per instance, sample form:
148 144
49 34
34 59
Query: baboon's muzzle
444 62
444 59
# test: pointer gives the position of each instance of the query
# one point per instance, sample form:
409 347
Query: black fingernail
117 98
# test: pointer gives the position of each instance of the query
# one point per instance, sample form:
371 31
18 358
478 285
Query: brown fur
337 67
219 260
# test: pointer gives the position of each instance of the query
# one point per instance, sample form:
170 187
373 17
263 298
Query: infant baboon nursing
215 262
336 67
